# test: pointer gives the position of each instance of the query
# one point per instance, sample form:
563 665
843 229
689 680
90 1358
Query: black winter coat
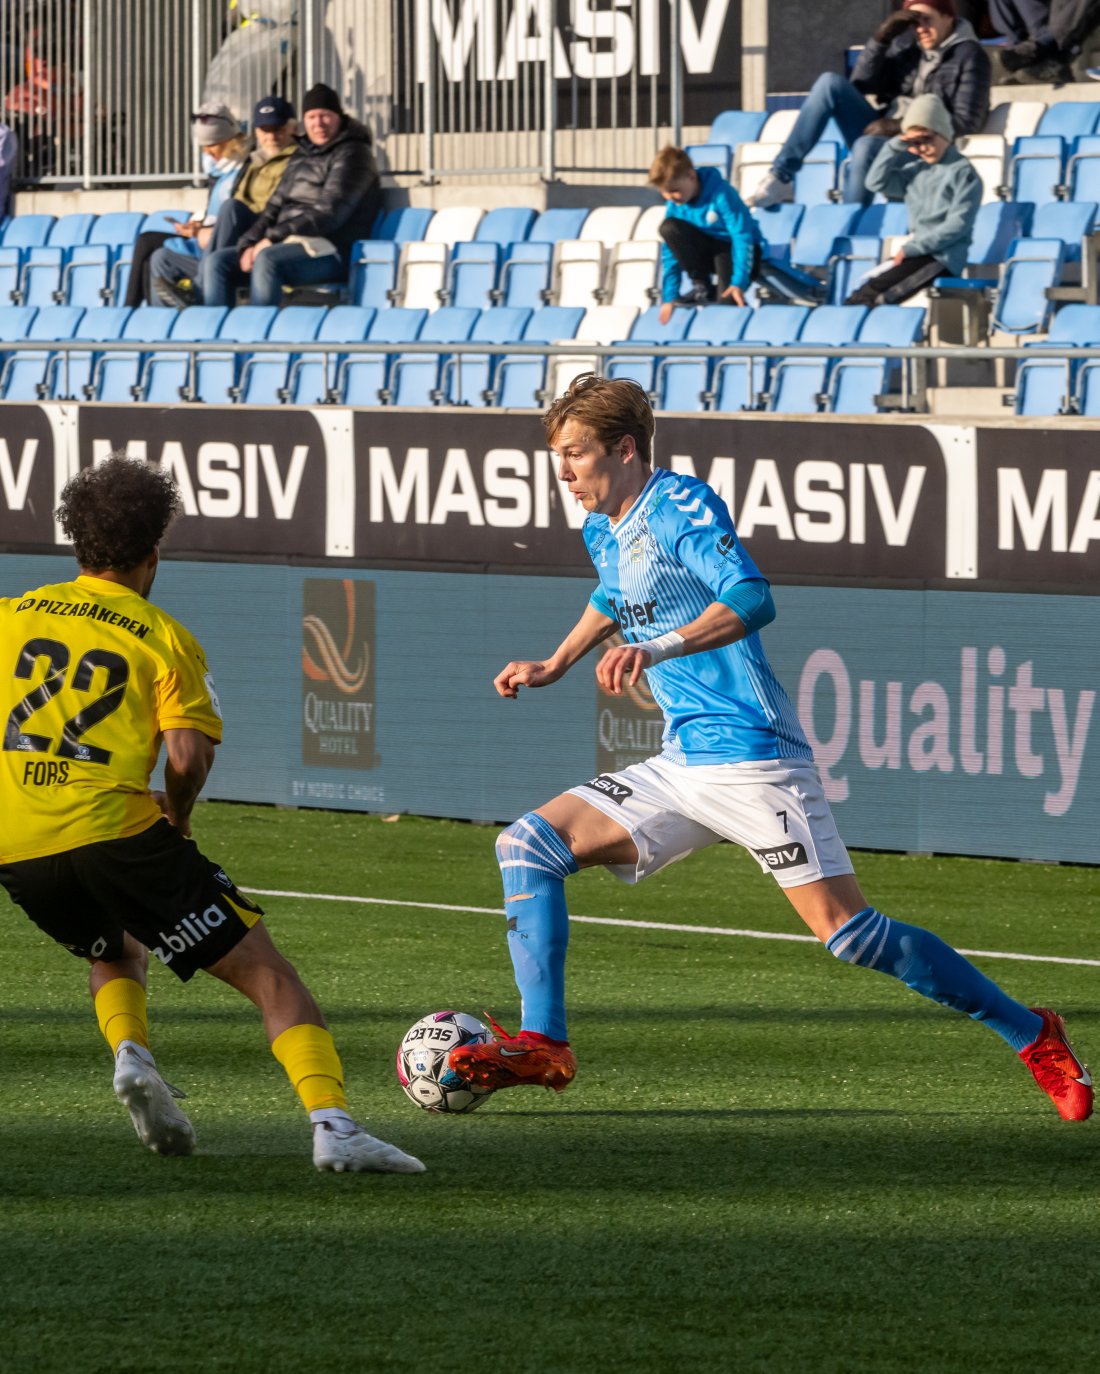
328 192
961 80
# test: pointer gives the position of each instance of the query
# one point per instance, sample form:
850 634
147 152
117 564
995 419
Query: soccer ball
422 1062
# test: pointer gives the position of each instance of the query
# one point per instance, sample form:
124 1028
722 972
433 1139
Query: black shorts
156 886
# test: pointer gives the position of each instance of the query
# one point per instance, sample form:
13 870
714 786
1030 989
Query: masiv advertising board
883 501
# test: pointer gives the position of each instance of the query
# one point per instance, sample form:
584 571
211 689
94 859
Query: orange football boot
513 1061
1057 1070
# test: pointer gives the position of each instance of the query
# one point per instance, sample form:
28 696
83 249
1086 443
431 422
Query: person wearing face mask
223 146
923 47
942 194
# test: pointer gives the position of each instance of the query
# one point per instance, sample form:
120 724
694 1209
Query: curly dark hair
117 513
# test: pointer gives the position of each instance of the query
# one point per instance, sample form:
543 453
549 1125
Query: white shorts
776 809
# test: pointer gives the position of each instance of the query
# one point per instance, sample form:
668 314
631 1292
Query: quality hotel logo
338 699
628 728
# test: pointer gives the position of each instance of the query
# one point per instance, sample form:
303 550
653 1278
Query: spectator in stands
328 198
922 47
177 276
708 231
1035 55
224 147
942 194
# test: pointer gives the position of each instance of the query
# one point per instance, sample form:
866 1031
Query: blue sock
534 864
929 966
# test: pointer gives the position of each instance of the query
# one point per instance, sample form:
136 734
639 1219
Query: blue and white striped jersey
672 555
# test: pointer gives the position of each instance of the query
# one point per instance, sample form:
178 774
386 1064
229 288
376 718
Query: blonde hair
669 164
611 409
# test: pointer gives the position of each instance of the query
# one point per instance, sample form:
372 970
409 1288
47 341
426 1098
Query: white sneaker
772 190
160 1125
356 1152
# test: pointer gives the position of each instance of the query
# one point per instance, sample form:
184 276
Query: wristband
670 645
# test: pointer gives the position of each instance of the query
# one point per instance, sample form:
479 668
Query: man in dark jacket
328 197
922 49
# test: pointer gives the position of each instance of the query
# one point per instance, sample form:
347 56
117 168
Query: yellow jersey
91 674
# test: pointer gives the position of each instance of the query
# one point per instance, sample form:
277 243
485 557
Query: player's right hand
523 673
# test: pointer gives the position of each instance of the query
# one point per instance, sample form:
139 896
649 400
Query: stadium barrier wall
358 579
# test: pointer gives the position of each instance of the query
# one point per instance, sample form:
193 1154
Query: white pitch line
643 925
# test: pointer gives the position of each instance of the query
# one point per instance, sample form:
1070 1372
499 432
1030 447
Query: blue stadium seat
815 180
854 257
466 379
519 380
1083 169
40 276
882 220
1035 169
24 372
737 126
1032 267
362 377
998 223
403 225
161 221
216 374
505 225
471 276
414 377
738 382
648 329
169 377
373 272
798 384
855 384
28 231
553 225
681 383
1069 221
114 376
263 376
1069 118
70 373
1047 386
11 262
15 323
525 275
116 229
778 226
312 379
70 230
717 155
818 232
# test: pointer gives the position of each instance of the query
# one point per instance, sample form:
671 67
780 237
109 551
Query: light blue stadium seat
373 272
87 276
716 155
69 374
737 126
40 277
525 275
798 384
116 229
738 382
815 180
853 258
505 225
648 329
216 374
11 262
70 230
818 232
312 379
552 225
855 384
414 377
263 376
998 223
161 221
466 379
1070 118
1035 169
168 377
778 226
28 231
1083 169
362 377
1069 221
681 383
519 380
405 224
115 375
24 372
1047 386
472 274
882 220
1032 267
15 324
1087 400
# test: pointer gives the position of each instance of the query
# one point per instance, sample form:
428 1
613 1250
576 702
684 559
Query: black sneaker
701 293
1024 54
177 295
1051 71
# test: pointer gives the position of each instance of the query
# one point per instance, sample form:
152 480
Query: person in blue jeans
922 48
327 199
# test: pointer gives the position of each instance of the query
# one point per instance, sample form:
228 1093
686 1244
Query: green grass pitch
769 1161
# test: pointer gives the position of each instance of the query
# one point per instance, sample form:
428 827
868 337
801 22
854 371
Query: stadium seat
732 127
601 324
471 277
752 162
1032 267
519 379
798 384
362 377
1035 169
609 224
11 262
466 379
312 378
525 275
552 225
263 376
1087 397
681 383
414 377
998 223
1083 169
716 155
576 273
648 227
777 127
821 226
28 231
1069 221
69 373
114 376
161 221
632 273
737 383
454 223
648 329
24 373
1069 119
986 154
169 377
505 225
815 180
1046 386
778 226
882 220
216 374
853 259
420 276
855 384
1015 119
40 275
69 230
373 272
403 225
85 277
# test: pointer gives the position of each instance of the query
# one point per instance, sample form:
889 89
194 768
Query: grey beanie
928 112
213 123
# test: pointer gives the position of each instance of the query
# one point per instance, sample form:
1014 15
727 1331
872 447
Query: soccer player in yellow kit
92 678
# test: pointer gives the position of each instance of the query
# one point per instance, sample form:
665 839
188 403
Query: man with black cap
327 199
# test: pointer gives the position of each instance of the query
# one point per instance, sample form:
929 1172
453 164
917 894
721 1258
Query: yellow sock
309 1056
120 1011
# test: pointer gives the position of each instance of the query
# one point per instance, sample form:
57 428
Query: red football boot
512 1061
1057 1070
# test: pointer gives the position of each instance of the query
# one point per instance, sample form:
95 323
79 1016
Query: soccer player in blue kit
735 765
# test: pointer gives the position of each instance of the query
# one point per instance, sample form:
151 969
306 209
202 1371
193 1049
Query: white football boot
161 1126
356 1152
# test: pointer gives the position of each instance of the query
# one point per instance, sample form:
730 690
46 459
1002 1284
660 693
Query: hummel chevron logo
687 507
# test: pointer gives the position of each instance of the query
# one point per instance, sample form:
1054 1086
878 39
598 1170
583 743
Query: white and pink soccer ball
422 1062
